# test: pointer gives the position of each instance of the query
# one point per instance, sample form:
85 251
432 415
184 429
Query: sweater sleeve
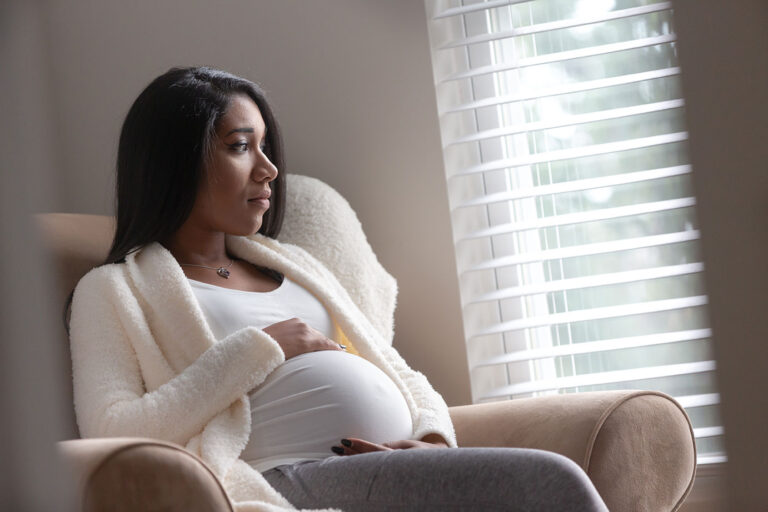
433 416
109 392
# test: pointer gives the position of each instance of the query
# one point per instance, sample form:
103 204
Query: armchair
636 446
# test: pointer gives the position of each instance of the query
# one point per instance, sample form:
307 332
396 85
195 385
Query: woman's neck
198 247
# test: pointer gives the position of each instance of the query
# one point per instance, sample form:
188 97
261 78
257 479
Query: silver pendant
223 272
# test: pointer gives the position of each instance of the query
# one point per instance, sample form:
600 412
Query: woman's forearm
110 393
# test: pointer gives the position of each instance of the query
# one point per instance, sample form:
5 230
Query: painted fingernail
338 450
346 442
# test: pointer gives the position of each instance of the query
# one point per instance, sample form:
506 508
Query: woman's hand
354 446
295 337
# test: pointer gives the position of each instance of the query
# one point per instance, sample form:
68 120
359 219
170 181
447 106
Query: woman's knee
502 478
567 483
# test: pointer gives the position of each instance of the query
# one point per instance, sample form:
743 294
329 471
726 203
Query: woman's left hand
354 446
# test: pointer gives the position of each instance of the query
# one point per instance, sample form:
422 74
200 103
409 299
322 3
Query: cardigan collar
171 308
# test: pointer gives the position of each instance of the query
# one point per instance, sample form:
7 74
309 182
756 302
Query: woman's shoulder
109 274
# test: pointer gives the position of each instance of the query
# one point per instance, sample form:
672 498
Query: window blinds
569 184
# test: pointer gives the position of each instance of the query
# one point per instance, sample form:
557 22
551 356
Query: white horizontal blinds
569 184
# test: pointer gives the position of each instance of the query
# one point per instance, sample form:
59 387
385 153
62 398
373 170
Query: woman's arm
109 392
434 418
356 446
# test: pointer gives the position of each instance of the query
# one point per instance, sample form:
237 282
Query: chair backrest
317 219
76 243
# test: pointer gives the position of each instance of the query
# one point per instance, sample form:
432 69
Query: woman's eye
240 147
243 146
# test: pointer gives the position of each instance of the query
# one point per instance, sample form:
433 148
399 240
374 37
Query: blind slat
481 6
595 379
719 458
602 313
591 117
559 25
562 89
630 276
551 58
691 401
586 250
590 347
577 185
573 153
581 217
708 432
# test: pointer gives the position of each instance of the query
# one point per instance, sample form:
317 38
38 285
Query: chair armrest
636 446
129 474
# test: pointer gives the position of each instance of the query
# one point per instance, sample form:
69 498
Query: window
573 217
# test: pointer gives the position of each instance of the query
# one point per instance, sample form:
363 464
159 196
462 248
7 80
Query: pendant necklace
222 271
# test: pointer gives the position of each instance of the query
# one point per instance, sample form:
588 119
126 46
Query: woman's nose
264 169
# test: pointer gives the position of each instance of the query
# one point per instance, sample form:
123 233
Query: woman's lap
512 479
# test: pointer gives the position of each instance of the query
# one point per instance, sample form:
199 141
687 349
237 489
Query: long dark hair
165 142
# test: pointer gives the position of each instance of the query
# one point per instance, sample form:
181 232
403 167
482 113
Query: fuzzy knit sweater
145 362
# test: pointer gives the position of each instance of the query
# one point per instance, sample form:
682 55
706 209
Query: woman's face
233 193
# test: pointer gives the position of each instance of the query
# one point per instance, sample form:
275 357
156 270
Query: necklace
222 271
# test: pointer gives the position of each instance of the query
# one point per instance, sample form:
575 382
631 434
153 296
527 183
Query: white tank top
311 401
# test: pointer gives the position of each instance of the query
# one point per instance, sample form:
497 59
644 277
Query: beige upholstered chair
636 446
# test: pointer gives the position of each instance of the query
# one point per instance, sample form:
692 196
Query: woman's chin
247 230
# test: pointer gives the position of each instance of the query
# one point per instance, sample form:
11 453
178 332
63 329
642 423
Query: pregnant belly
313 400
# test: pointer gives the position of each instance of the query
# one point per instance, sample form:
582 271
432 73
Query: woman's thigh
482 479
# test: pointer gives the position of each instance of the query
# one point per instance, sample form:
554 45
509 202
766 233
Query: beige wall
351 83
724 58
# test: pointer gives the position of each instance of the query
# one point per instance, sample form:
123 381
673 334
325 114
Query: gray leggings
482 479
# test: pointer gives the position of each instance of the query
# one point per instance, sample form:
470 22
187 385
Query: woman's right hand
295 337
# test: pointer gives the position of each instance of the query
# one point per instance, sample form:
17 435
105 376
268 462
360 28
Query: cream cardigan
145 362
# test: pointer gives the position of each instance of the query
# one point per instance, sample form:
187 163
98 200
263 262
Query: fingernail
338 450
346 442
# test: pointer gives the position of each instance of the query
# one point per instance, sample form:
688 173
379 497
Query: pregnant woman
201 329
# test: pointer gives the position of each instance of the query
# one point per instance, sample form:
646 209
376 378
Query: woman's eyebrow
240 130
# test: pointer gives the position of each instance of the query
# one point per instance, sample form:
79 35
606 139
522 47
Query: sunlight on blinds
574 219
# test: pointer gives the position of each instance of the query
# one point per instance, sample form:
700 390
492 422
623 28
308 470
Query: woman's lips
264 203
